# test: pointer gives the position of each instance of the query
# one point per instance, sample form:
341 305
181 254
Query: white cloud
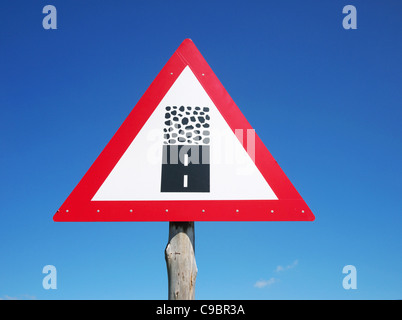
6 297
290 266
23 297
279 269
263 283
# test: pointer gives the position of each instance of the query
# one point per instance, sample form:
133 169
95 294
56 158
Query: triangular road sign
185 153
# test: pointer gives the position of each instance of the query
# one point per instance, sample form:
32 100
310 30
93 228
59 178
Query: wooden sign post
180 261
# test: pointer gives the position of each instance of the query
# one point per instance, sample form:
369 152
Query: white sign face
185 116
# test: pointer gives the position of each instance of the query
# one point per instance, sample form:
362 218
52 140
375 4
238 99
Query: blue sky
325 101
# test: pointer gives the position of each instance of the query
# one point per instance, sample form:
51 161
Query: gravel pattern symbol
186 125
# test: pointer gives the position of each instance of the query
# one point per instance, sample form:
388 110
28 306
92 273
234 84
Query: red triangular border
78 206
